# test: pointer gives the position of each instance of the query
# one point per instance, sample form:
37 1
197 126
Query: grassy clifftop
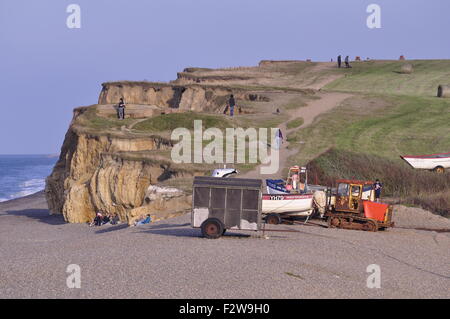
390 114
385 77
387 126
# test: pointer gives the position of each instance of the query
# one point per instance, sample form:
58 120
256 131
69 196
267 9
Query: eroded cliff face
91 176
99 168
175 96
184 98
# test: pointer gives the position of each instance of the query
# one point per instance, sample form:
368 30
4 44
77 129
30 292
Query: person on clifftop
278 139
232 104
347 62
339 61
121 110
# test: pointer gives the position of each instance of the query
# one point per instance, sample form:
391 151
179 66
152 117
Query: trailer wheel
439 170
273 219
212 228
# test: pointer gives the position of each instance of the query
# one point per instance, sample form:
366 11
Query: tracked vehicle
353 207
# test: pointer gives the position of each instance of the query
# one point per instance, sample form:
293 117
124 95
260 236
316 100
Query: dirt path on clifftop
327 101
324 78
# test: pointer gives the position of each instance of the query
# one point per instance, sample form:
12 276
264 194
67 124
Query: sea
22 175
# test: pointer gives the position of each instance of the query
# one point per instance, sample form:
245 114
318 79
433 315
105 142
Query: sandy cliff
91 176
172 96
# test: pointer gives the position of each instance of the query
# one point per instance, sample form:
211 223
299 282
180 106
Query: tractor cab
351 194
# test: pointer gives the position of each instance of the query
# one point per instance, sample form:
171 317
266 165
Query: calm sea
22 175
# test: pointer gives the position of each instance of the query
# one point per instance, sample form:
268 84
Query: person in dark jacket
347 62
97 220
121 110
339 61
232 104
377 187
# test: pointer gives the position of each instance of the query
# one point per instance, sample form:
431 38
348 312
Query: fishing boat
296 182
285 199
436 162
291 204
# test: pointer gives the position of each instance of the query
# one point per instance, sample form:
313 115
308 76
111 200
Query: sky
47 69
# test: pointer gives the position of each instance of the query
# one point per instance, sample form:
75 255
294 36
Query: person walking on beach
347 62
339 61
232 104
121 110
377 187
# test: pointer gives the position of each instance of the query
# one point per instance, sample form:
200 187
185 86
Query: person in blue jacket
146 220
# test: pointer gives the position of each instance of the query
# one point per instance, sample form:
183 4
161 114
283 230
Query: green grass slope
381 125
390 114
384 77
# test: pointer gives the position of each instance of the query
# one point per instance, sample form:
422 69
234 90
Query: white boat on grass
437 162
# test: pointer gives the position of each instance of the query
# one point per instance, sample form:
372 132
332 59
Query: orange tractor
353 207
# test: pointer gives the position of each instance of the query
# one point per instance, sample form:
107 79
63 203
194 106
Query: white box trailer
219 204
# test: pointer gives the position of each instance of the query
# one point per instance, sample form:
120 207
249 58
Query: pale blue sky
47 69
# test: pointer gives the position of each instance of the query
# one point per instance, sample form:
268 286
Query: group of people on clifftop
346 61
231 105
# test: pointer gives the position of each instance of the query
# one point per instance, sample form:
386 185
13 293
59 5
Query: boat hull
288 204
423 162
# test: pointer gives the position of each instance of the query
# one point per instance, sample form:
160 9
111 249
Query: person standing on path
121 110
347 62
377 187
339 61
278 139
232 104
